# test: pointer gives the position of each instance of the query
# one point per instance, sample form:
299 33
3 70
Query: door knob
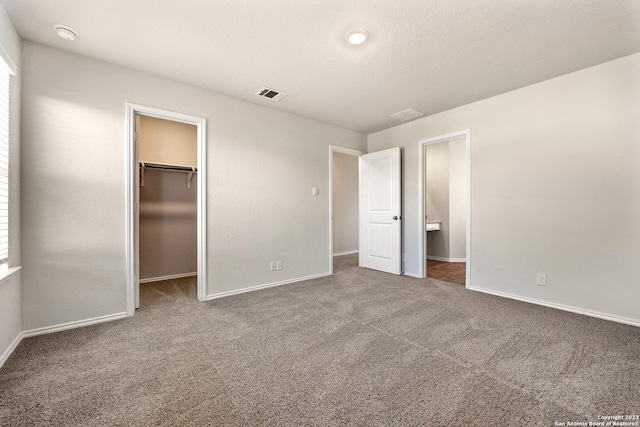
395 218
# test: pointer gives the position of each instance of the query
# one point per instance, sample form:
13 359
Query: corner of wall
11 286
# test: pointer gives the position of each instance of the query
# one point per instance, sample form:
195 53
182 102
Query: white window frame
5 75
7 69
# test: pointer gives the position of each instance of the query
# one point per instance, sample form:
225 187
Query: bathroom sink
433 225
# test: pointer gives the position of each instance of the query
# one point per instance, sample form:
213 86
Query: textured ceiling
429 55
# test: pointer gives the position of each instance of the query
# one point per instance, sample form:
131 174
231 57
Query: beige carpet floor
360 348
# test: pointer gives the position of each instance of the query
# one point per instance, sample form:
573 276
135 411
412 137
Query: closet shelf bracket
190 178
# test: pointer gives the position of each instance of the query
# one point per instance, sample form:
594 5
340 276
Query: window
4 162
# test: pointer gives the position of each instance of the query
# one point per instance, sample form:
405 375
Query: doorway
136 172
444 207
343 203
167 232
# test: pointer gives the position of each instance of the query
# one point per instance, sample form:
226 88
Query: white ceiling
429 55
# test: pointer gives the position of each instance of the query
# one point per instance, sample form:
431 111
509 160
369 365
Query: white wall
262 166
10 316
555 188
345 203
10 289
457 199
166 141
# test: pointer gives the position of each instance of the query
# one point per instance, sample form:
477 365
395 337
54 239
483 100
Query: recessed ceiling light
357 36
65 32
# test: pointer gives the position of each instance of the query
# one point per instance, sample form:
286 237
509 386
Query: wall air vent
407 114
272 94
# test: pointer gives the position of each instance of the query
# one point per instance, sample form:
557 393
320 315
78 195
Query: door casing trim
131 171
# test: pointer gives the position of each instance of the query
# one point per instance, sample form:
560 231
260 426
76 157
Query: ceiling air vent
272 94
407 114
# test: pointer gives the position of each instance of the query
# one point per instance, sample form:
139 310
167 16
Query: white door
380 230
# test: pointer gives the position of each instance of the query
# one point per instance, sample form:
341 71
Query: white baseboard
10 349
562 307
442 259
173 276
345 253
266 285
56 328
73 325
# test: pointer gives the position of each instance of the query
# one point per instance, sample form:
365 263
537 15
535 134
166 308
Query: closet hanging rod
190 170
166 166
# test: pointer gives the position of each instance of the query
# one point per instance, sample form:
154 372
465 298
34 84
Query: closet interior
167 153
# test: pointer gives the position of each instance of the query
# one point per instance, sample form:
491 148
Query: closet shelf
167 166
190 170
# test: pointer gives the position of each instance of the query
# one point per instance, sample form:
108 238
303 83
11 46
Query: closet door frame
133 194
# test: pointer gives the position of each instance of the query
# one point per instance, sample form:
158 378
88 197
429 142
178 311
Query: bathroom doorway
444 191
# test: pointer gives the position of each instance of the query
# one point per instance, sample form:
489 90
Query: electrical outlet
279 265
273 266
541 279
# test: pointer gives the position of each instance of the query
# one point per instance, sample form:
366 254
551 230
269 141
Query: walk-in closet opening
166 230
168 235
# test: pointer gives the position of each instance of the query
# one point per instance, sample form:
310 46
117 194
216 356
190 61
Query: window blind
4 161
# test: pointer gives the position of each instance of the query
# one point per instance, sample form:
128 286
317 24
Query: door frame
337 149
422 236
132 196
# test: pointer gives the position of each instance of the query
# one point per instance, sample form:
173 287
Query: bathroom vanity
433 225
